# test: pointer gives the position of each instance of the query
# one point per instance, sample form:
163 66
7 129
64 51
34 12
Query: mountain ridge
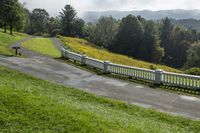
92 16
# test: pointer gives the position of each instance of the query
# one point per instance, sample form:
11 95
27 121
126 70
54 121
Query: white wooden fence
155 76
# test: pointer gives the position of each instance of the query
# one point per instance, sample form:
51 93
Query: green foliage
77 28
27 21
166 30
188 23
193 57
53 26
176 49
102 32
138 38
71 25
32 105
193 71
129 36
11 14
158 42
151 44
39 20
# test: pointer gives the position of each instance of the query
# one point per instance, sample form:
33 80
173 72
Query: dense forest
154 41
188 23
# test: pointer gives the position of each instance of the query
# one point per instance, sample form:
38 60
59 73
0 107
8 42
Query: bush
153 67
193 71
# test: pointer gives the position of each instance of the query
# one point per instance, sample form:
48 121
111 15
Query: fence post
83 60
105 67
62 52
158 76
66 55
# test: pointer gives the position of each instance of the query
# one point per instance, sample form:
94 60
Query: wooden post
16 50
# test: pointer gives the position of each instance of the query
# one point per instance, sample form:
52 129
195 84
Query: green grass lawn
6 40
29 105
43 46
84 47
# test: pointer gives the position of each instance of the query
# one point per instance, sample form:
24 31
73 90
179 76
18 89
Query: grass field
30 105
84 47
43 46
6 40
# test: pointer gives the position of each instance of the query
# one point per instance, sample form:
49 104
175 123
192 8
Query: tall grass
84 47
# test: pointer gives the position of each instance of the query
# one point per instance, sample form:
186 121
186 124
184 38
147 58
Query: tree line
14 15
154 41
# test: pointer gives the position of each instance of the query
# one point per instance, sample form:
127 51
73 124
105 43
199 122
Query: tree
27 21
103 31
1 22
77 27
39 20
193 57
3 13
150 49
53 26
88 31
12 14
166 30
129 36
176 49
17 18
68 15
165 33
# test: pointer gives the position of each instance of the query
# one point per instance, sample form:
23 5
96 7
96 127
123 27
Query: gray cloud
54 6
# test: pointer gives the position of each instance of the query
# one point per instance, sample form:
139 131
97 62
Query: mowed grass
6 40
43 46
84 47
30 105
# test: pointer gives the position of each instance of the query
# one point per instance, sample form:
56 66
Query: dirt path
49 69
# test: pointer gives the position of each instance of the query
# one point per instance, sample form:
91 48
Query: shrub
193 71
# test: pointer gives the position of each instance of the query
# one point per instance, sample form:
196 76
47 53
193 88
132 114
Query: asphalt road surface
49 69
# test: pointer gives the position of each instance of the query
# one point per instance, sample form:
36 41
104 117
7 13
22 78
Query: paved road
62 73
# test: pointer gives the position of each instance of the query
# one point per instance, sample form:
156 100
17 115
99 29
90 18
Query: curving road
49 69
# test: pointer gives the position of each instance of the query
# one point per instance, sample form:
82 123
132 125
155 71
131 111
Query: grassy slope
84 47
6 40
31 105
43 46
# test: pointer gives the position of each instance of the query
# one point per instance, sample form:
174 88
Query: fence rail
94 63
132 71
74 56
155 76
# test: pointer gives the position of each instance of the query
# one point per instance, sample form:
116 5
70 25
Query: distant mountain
188 23
153 15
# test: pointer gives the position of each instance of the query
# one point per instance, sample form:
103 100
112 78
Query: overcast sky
54 6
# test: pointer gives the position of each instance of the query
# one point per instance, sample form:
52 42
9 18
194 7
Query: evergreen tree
68 15
151 44
129 36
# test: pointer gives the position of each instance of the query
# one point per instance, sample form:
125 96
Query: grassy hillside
84 47
30 105
6 40
43 46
